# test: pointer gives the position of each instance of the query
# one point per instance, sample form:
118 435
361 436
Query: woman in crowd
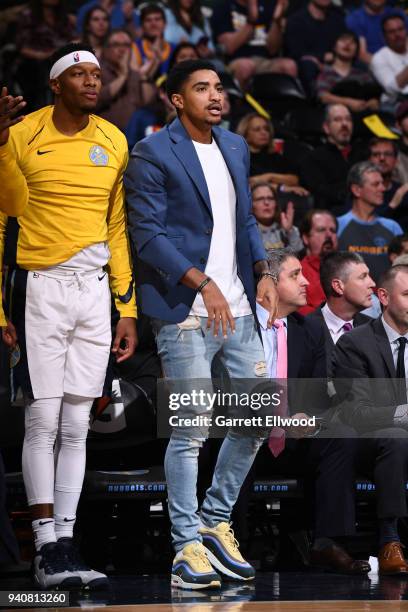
185 22
96 29
341 82
266 164
182 52
276 227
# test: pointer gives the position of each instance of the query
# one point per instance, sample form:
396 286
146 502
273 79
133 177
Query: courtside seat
278 93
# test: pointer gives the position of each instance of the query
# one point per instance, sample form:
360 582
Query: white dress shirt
334 323
401 416
270 339
393 336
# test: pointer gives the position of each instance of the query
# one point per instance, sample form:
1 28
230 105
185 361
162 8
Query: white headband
77 57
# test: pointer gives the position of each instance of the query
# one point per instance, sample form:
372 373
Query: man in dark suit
348 287
329 458
198 247
375 403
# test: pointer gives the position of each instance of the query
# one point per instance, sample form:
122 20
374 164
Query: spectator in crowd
397 247
250 33
319 234
182 52
125 86
96 28
369 352
366 22
330 459
276 227
348 289
383 153
324 171
266 165
401 169
185 22
151 46
390 64
43 27
310 36
341 82
362 230
121 14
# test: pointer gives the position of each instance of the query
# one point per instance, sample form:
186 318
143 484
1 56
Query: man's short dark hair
70 48
388 18
373 142
277 257
181 72
151 9
336 265
387 278
307 221
396 247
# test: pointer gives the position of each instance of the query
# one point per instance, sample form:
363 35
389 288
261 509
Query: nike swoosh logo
101 277
44 152
45 522
68 520
125 299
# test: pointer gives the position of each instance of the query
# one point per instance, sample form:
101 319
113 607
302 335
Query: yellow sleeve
120 266
3 225
14 190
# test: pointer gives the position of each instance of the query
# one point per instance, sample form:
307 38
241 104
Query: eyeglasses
382 154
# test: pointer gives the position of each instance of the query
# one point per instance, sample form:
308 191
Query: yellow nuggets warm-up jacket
68 194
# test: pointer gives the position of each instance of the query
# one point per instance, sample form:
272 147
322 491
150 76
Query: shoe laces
230 537
201 559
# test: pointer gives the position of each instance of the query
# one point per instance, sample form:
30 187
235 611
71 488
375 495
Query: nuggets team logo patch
98 156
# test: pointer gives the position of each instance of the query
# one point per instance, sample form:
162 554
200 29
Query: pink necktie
276 440
282 365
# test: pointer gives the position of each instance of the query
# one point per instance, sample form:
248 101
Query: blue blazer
170 218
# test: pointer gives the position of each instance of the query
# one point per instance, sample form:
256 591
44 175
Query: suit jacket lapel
327 334
384 346
184 150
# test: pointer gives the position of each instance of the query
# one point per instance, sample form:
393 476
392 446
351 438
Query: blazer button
208 231
202 260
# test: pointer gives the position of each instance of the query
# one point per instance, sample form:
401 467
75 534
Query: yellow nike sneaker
192 569
223 552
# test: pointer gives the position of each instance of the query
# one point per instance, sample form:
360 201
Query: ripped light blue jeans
187 351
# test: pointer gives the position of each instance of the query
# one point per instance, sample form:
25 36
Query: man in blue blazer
198 249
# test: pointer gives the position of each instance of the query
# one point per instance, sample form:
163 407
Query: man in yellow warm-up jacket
61 171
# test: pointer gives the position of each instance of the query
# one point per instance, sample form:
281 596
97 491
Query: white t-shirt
385 65
90 258
222 261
